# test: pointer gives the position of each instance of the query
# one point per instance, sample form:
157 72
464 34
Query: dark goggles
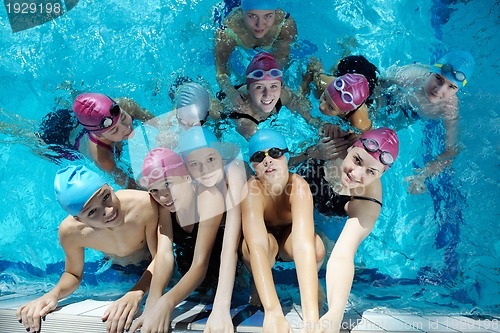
259 74
106 122
373 146
275 153
447 68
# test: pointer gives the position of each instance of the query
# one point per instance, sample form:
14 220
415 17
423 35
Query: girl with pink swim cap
256 25
107 123
264 96
350 187
199 193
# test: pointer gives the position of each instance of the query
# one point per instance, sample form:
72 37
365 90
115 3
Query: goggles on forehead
447 68
259 74
157 174
275 153
373 146
186 124
346 96
106 122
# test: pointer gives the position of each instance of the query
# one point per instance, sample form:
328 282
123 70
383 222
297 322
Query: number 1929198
34 8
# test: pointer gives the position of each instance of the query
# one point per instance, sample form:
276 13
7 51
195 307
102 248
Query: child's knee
320 250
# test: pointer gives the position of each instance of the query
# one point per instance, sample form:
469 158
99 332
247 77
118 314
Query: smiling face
265 94
439 88
258 22
122 130
359 168
171 192
102 210
206 166
327 106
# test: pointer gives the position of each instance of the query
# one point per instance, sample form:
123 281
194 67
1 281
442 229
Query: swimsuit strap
237 115
355 197
98 142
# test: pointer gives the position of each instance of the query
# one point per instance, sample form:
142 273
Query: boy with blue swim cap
278 212
430 92
122 225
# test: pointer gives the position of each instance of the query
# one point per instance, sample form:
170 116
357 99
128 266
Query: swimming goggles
189 125
447 68
346 96
106 122
275 153
259 74
158 174
373 146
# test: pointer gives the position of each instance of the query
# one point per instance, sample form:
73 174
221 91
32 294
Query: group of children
205 209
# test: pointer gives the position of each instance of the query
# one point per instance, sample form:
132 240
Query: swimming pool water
438 251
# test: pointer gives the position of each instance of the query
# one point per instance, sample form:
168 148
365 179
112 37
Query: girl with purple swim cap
255 25
107 123
264 96
350 187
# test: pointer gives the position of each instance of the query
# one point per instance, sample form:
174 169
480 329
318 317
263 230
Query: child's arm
220 318
340 268
134 109
30 314
281 47
120 314
158 319
257 242
304 249
300 105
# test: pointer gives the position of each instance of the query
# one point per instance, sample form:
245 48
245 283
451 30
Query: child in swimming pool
107 123
277 219
256 25
193 106
264 95
429 92
122 225
350 187
211 207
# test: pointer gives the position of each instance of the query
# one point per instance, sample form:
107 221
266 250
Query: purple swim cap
349 91
263 67
161 163
96 112
381 143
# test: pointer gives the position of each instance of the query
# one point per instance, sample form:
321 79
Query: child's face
206 166
327 106
103 210
171 192
439 88
359 168
270 169
259 21
265 94
122 130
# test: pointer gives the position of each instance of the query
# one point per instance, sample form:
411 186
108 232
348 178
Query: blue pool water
438 251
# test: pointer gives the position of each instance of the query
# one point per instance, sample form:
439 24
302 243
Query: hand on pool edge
32 313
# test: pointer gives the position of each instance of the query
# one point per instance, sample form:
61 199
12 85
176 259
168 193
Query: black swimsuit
326 200
237 115
184 244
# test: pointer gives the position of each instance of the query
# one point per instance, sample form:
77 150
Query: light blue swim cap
259 5
74 186
462 66
196 138
266 139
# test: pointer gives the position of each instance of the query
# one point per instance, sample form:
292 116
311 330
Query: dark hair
360 65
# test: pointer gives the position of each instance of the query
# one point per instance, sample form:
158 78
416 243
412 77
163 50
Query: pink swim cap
381 143
263 67
96 112
161 163
349 91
